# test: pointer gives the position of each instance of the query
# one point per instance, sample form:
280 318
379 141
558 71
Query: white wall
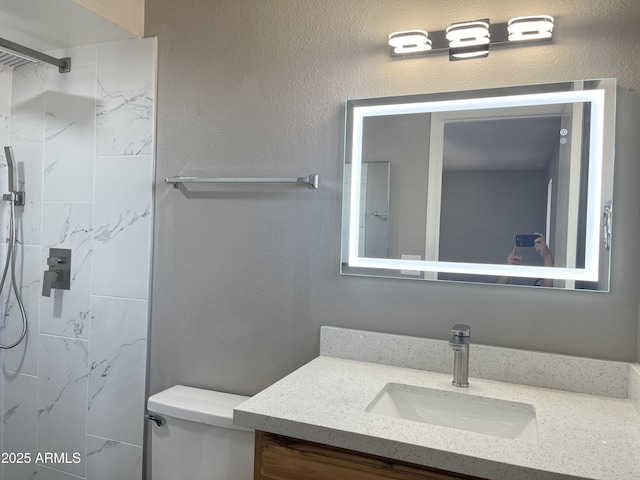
83 142
243 280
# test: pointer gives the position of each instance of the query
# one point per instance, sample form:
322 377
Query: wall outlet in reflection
415 273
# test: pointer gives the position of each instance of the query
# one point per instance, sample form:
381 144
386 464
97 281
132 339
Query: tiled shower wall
84 144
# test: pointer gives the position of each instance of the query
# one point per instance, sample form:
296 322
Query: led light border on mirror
596 99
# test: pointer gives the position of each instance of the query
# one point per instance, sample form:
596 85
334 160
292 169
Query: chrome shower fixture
14 60
11 165
15 196
15 55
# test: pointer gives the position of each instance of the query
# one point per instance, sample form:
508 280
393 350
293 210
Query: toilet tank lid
197 405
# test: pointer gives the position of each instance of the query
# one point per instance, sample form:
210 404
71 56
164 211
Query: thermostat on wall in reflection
415 273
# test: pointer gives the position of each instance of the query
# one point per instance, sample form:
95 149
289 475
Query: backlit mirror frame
602 117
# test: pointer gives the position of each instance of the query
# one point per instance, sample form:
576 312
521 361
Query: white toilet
199 440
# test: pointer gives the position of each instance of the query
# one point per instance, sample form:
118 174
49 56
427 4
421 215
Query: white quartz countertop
324 401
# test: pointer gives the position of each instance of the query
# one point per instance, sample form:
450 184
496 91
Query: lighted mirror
503 185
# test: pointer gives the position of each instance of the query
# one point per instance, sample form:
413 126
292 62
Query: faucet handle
50 277
461 330
55 261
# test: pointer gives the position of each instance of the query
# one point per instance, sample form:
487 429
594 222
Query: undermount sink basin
473 413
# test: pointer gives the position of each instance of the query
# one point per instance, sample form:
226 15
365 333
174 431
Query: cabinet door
284 458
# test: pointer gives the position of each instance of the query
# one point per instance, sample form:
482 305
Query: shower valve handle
50 277
59 273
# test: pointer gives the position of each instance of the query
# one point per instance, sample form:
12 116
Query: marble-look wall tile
6 81
6 78
24 357
19 417
79 55
122 226
5 123
53 124
1 408
67 312
69 147
125 102
4 140
48 473
117 369
26 138
28 88
62 399
108 460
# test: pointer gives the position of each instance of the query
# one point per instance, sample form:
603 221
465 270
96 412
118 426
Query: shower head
14 60
11 167
16 55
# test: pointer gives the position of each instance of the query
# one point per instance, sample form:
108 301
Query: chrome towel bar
310 180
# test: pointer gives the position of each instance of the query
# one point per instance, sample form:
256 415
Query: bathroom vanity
285 458
333 415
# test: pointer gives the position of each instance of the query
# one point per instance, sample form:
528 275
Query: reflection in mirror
467 172
374 210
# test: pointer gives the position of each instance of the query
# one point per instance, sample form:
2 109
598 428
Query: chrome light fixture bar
472 39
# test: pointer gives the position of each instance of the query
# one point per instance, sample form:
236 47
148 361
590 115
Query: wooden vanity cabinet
284 458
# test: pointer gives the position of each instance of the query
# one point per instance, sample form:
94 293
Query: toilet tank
199 440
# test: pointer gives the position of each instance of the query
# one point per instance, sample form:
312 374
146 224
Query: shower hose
11 261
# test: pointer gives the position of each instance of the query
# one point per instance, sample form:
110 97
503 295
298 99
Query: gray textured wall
244 279
482 212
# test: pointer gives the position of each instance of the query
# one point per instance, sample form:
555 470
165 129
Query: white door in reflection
489 175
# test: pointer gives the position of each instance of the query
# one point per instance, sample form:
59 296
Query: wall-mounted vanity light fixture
472 39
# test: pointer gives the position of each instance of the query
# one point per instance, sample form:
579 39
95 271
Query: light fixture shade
530 28
466 34
468 39
410 41
465 53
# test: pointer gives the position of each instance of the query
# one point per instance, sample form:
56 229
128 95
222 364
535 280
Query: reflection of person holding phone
540 246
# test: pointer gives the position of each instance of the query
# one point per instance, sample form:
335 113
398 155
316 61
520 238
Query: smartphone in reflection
524 240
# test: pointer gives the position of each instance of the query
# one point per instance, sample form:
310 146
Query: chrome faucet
460 344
